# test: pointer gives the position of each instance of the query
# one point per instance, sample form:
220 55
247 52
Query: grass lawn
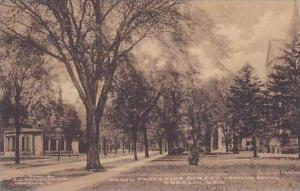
213 173
28 183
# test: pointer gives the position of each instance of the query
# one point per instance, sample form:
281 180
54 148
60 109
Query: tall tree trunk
17 127
123 145
129 146
299 144
170 141
235 144
17 139
268 145
69 147
104 150
93 161
146 143
110 146
115 144
132 147
166 146
208 141
254 147
160 145
135 146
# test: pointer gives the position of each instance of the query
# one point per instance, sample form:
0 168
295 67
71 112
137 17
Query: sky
248 25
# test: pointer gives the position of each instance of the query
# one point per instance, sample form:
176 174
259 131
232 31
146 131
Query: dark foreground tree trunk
254 147
93 161
17 140
299 144
146 143
135 146
18 129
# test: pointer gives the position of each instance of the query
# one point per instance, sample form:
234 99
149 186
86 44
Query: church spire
294 29
60 108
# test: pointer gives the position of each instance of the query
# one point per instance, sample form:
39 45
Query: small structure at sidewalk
53 137
34 142
30 140
56 142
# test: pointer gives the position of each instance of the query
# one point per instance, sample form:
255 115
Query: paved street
8 173
88 181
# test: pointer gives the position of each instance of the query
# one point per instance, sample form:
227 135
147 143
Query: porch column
20 144
220 139
6 144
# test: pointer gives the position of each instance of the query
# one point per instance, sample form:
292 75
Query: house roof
24 131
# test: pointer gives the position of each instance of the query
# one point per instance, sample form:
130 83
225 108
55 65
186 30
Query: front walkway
88 181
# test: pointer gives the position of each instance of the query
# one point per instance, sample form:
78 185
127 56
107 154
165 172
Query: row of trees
91 39
255 109
284 91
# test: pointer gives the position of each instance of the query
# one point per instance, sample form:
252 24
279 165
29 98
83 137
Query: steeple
60 108
294 29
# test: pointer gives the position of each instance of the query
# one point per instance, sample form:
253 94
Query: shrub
194 156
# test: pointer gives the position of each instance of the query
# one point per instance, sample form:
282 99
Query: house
34 141
30 140
50 139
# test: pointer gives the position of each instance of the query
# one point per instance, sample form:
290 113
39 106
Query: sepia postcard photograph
149 95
